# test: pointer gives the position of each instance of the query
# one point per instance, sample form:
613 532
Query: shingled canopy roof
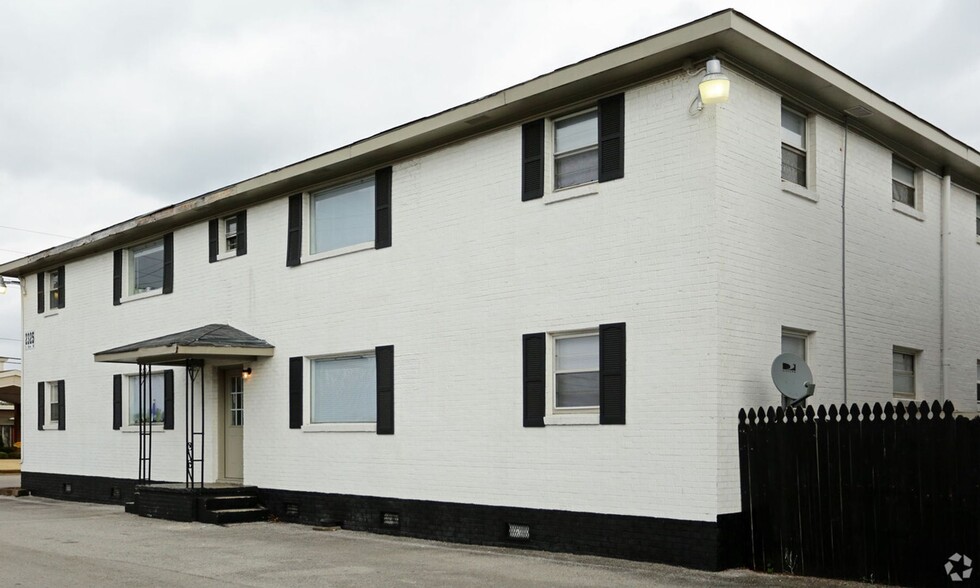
207 342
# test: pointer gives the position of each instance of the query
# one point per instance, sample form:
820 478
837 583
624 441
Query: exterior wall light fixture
714 86
246 373
4 282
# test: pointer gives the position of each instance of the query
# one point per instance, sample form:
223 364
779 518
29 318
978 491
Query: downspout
945 200
843 259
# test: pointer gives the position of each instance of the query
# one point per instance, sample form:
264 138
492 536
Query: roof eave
726 32
170 354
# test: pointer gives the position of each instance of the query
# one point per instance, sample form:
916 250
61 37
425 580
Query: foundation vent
519 532
291 509
390 519
66 487
114 492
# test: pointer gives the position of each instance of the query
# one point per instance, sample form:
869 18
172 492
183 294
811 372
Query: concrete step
233 515
229 502
14 492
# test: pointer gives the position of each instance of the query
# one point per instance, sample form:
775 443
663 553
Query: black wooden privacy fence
885 494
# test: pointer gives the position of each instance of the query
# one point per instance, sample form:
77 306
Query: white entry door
234 421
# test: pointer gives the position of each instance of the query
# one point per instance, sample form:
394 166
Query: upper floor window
342 216
143 269
577 149
146 267
51 290
903 183
794 146
978 216
585 147
227 237
340 220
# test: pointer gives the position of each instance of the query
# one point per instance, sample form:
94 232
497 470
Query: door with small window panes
234 420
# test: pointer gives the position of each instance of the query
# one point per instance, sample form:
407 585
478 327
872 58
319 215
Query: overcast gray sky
113 108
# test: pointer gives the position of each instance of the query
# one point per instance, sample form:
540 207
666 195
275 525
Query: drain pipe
843 258
945 200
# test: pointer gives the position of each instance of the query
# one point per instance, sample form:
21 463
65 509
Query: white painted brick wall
692 249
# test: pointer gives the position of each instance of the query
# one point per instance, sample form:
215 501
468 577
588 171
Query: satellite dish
792 378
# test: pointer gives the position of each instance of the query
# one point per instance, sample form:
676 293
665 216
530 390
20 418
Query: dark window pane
794 166
577 169
902 193
577 390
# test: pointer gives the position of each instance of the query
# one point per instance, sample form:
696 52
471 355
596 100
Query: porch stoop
214 503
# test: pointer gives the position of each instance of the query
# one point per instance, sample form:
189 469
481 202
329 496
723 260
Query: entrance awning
207 342
10 386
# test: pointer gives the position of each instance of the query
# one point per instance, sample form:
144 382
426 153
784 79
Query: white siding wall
781 267
698 250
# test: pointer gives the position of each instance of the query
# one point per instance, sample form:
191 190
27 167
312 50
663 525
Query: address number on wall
29 340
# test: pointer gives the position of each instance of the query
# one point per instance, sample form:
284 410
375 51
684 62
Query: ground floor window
344 389
155 412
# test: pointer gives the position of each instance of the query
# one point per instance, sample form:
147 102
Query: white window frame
978 382
915 353
49 279
129 272
50 396
796 334
978 217
309 392
916 209
224 252
129 380
555 155
809 152
564 416
309 198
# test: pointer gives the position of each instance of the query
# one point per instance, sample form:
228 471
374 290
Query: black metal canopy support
194 422
145 421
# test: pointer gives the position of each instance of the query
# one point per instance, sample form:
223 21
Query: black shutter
168 399
534 379
40 406
532 160
168 263
385 362
612 374
61 405
116 276
242 245
40 292
117 402
294 231
382 208
61 287
295 392
611 124
213 240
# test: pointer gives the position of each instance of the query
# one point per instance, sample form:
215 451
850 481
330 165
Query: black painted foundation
708 545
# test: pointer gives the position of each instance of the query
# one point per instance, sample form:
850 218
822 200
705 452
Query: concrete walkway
58 543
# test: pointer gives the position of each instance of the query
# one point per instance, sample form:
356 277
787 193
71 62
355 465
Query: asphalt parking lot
55 543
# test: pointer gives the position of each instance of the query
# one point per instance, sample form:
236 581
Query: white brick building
412 255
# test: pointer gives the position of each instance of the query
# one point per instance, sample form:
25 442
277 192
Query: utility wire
33 231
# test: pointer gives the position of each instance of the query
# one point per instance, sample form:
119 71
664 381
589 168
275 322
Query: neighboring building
537 314
9 405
